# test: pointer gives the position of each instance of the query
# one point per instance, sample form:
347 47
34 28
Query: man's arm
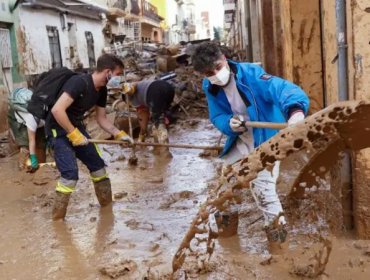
31 141
104 122
32 147
60 114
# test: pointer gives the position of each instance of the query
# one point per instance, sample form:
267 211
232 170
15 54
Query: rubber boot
160 135
60 205
22 159
103 192
276 237
227 223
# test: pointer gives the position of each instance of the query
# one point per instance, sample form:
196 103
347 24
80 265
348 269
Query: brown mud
154 205
326 135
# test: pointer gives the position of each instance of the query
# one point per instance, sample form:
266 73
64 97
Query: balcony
229 17
151 12
191 29
229 5
114 13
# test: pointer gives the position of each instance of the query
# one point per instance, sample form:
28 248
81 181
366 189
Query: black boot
103 192
60 205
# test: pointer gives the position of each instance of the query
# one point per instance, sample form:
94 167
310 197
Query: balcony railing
151 11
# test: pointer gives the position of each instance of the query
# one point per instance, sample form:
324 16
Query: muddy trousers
263 189
66 157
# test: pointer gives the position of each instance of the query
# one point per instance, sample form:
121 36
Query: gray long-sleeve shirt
140 96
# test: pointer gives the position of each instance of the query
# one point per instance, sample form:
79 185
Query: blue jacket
270 98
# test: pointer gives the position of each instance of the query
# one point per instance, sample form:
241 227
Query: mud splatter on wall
306 45
3 108
29 63
330 51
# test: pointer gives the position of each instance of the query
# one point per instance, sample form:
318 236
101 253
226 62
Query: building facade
52 34
181 15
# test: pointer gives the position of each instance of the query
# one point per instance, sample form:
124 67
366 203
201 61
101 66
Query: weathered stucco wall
3 109
95 27
33 42
330 51
361 60
306 46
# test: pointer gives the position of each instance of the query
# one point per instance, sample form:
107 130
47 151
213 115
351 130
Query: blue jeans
66 156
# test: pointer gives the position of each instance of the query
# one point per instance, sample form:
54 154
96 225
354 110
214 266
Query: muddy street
155 202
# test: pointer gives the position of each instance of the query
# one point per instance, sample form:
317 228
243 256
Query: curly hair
205 55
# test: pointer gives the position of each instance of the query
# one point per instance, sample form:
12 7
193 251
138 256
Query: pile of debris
156 61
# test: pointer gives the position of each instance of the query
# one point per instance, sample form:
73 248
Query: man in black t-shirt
69 137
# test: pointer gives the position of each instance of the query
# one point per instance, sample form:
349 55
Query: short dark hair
108 61
205 55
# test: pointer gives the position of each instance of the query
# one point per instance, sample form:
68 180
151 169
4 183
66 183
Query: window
90 48
6 52
56 57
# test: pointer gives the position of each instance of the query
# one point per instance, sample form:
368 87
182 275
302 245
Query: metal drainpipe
342 50
345 164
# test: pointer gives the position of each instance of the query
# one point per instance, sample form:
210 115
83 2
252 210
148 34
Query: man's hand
32 163
129 88
77 138
123 136
236 124
295 117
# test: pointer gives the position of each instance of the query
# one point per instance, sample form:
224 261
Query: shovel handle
266 125
184 146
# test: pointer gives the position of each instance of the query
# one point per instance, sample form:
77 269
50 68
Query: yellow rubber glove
129 88
77 138
123 136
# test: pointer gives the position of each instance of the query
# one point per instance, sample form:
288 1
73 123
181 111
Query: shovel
133 158
188 146
183 146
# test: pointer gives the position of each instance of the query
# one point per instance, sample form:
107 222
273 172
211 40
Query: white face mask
114 82
221 78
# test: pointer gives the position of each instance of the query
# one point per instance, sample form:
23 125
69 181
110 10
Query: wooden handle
266 125
184 146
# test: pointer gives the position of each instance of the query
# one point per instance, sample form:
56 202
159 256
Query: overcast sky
215 9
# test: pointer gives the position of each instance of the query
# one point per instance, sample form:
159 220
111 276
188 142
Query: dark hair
205 55
108 61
